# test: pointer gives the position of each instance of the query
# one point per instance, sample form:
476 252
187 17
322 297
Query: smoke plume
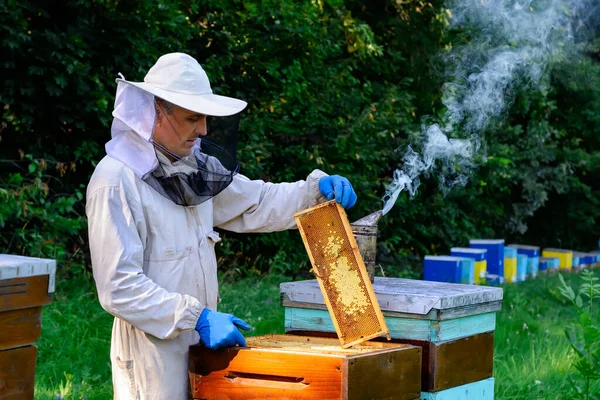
512 43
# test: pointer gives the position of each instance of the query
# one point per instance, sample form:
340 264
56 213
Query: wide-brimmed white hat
179 79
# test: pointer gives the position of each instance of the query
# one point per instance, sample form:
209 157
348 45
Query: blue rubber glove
220 330
338 187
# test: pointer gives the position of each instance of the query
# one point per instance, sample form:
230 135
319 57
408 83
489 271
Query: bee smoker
365 232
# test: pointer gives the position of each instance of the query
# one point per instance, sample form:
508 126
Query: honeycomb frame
341 274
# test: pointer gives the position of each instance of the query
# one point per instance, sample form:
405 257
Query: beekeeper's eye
195 118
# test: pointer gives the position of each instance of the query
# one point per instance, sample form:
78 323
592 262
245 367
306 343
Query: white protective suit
155 267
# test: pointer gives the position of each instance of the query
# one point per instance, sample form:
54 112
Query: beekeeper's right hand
220 330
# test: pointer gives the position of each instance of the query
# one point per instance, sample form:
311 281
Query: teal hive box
468 271
424 313
576 261
521 267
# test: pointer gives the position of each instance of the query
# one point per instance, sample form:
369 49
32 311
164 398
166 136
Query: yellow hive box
510 270
480 271
565 257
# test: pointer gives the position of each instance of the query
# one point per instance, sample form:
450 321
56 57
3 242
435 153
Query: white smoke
513 42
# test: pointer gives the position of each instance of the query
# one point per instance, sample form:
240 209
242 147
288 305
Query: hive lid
555 250
406 296
12 266
486 241
443 258
523 247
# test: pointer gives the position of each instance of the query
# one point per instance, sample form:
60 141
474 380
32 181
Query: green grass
532 357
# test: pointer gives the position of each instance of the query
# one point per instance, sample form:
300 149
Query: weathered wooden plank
456 362
482 390
13 266
405 295
296 373
17 373
20 327
400 328
435 315
22 293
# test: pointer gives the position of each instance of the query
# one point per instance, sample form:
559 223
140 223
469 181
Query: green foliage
340 85
38 223
585 337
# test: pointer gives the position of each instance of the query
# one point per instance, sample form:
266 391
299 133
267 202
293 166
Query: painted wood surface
480 271
20 293
400 328
17 373
20 327
270 372
405 295
434 315
482 390
510 269
12 266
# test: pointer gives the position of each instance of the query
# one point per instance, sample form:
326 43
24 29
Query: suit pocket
126 377
213 238
170 254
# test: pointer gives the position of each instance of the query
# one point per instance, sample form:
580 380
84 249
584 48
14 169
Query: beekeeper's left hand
338 187
218 330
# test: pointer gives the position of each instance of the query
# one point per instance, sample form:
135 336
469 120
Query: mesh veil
194 179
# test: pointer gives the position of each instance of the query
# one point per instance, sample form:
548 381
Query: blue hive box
495 254
533 257
443 269
543 265
587 260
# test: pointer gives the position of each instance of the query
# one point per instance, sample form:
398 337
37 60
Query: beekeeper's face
177 128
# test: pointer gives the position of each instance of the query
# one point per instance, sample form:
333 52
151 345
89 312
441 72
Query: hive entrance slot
256 379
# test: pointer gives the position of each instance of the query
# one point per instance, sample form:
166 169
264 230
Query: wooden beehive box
341 273
297 367
453 324
26 284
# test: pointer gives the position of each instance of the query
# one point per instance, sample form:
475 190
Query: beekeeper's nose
201 127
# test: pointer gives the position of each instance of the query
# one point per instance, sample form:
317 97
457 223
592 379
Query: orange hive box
341 273
297 367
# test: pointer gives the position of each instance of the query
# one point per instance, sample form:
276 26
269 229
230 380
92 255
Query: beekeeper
152 205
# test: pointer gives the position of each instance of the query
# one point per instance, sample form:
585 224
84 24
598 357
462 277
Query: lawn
532 357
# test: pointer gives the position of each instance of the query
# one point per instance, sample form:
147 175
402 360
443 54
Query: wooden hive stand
26 284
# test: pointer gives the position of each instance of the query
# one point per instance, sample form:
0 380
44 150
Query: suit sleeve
257 206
